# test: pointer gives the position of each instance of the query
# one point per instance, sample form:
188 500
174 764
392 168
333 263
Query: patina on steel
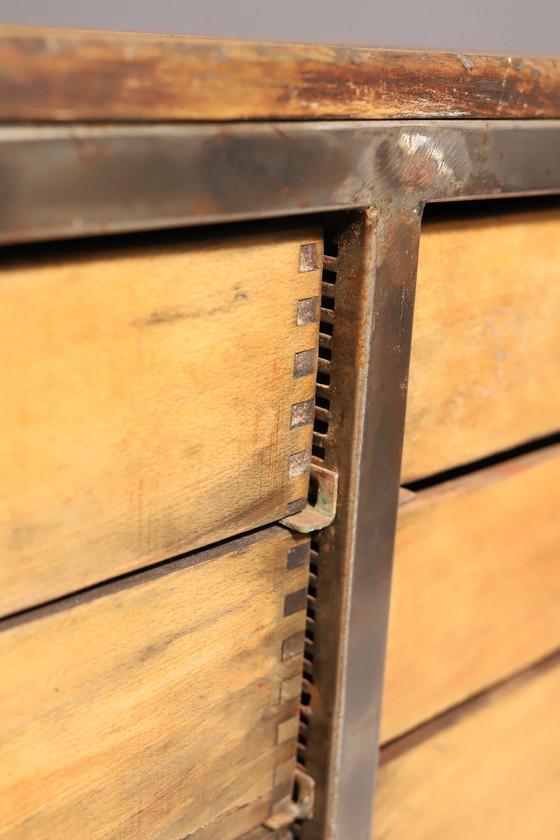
76 181
372 322
321 513
300 807
82 180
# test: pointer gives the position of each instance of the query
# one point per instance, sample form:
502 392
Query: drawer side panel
484 365
148 398
155 708
476 587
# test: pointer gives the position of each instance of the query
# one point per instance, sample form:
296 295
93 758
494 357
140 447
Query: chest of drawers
210 476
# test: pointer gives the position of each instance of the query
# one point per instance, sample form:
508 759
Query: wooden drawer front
484 367
490 772
476 587
148 398
152 707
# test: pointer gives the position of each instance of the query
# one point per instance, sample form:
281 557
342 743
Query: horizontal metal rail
68 181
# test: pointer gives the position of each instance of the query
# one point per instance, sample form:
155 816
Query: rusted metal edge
70 181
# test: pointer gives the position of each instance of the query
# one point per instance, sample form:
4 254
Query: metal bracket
316 516
299 808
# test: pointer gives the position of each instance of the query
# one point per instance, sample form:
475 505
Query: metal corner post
374 499
374 296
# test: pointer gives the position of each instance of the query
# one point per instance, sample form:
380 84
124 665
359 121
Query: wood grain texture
65 75
152 707
484 365
147 398
476 587
492 772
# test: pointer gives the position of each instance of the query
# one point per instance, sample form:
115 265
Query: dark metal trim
68 181
372 325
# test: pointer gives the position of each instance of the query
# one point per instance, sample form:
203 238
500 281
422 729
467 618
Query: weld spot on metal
304 363
308 311
295 602
298 556
300 463
310 256
301 414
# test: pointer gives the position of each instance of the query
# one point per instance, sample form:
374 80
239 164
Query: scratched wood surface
154 706
484 367
55 74
489 771
476 587
148 397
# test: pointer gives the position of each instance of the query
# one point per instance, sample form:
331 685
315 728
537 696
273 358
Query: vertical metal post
372 327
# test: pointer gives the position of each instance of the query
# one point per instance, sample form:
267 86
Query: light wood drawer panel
484 366
492 772
147 398
476 587
152 707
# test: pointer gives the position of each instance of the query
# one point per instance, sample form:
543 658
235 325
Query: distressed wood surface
148 397
157 705
484 367
489 771
55 74
476 587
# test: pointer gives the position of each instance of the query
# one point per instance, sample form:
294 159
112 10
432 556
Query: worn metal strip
389 287
89 180
373 294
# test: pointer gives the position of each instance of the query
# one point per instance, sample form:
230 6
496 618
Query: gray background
503 26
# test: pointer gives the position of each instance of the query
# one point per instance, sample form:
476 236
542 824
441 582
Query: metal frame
63 181
89 180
